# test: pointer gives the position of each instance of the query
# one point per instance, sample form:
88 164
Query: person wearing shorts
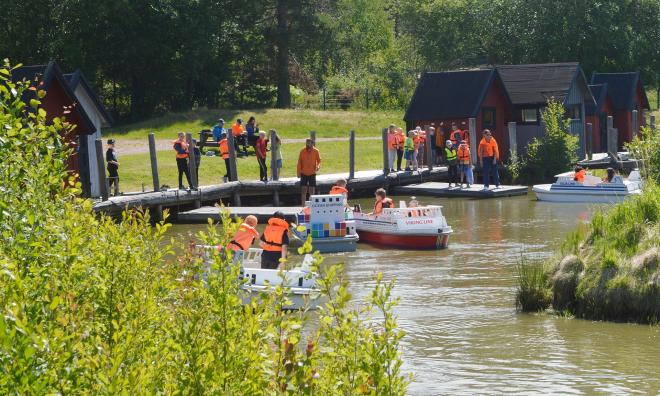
309 162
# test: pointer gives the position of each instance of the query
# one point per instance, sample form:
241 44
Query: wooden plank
474 143
263 213
351 154
386 162
154 161
436 189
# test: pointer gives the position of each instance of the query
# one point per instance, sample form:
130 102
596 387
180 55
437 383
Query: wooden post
233 173
324 98
312 135
427 148
589 136
652 122
635 125
276 198
612 138
274 171
351 155
103 184
154 161
191 160
386 167
513 142
472 127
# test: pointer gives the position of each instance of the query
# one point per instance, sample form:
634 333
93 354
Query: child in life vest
382 202
340 189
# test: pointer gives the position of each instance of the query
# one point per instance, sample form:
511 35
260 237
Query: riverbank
608 269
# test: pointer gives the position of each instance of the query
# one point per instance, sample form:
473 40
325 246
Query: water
464 335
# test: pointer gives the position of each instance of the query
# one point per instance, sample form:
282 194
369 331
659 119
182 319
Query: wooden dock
436 189
253 192
263 213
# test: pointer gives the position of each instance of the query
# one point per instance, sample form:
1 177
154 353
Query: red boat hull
407 241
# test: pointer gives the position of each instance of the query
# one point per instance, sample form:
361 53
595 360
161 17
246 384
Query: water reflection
457 307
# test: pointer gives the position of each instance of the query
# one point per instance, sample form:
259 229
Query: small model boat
325 218
591 190
299 282
422 227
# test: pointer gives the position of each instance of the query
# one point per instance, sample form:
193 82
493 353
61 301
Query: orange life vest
224 148
184 145
489 149
273 236
400 138
579 176
463 154
243 238
380 205
338 190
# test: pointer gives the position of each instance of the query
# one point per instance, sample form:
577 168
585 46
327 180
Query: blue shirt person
219 129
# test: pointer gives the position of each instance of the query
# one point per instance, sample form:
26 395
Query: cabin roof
622 88
450 94
76 79
536 83
48 74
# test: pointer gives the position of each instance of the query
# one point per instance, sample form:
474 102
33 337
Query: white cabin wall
88 105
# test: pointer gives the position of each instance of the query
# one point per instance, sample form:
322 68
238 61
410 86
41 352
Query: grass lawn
135 170
288 122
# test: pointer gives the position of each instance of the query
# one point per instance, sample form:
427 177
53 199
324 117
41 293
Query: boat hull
544 192
346 243
405 241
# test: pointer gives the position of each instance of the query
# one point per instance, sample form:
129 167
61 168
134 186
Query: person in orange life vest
260 150
439 140
340 189
223 145
245 235
181 147
489 154
464 162
579 174
309 162
240 137
391 146
400 139
274 242
382 202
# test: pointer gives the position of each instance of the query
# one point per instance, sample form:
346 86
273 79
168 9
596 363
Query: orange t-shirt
308 161
237 129
488 149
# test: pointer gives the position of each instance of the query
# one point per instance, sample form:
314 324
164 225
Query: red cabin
597 114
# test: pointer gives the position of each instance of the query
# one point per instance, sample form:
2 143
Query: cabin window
530 115
488 117
574 113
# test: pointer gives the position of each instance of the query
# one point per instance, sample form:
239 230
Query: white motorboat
592 189
422 227
299 282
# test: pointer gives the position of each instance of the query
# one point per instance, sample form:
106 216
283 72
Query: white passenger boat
299 282
592 189
326 219
422 227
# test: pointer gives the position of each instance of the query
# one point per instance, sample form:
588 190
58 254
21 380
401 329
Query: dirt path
131 146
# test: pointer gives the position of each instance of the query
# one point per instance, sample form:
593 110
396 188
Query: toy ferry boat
300 282
591 190
422 227
325 218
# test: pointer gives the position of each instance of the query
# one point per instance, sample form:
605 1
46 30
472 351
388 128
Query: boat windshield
420 211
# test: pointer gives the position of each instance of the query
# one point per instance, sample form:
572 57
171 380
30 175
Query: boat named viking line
592 189
422 227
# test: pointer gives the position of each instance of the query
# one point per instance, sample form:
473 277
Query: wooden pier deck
263 213
240 193
436 189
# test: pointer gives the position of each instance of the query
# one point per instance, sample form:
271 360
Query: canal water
463 334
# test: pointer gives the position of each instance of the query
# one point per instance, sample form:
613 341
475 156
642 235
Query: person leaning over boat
610 175
382 202
181 147
451 159
244 236
309 162
274 241
579 174
464 162
489 154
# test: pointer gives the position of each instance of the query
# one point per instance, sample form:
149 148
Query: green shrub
94 306
646 147
533 292
556 151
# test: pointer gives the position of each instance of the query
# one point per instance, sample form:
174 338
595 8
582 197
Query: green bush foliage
646 146
533 293
556 151
94 306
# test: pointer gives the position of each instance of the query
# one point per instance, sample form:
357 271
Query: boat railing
419 211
